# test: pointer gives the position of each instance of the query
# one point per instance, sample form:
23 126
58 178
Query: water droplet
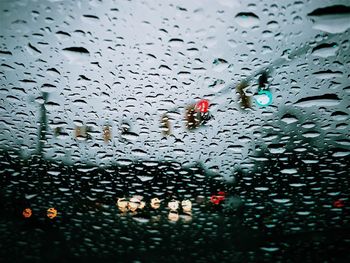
247 19
325 50
331 19
318 101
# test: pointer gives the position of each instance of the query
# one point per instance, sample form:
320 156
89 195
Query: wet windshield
174 130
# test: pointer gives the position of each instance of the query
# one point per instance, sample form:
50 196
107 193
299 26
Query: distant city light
155 203
27 213
51 213
338 203
186 205
173 205
217 199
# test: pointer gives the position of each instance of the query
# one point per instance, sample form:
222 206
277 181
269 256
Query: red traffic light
202 105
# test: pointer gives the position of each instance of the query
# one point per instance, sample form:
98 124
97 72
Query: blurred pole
42 124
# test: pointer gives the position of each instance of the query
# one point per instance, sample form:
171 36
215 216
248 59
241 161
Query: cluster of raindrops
240 107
